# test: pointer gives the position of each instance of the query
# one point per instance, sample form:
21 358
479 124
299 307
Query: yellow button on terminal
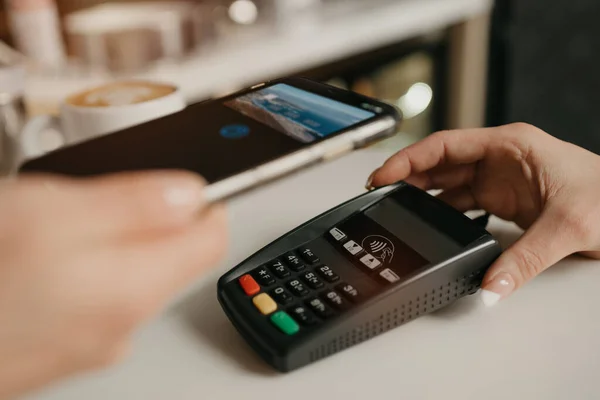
265 304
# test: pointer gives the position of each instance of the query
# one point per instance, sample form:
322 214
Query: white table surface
241 61
542 343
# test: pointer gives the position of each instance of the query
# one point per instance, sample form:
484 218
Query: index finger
445 147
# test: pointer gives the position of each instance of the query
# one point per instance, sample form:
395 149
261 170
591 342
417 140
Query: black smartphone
237 142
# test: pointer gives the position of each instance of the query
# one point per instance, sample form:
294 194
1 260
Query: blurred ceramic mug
100 111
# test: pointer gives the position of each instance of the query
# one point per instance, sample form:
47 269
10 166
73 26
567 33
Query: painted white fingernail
489 298
498 288
369 184
183 196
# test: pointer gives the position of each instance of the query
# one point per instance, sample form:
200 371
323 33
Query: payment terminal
356 271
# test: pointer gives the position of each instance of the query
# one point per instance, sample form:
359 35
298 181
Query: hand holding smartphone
237 142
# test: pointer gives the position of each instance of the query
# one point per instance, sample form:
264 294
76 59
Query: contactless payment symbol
235 131
380 247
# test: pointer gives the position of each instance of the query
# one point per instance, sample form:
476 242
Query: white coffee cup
100 111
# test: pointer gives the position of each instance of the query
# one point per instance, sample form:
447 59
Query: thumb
541 246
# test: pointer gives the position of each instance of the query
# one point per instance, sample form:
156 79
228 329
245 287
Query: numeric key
327 274
337 301
297 288
312 280
295 263
303 315
320 308
348 291
282 296
279 269
308 255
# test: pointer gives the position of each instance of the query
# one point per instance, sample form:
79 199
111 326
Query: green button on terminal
284 322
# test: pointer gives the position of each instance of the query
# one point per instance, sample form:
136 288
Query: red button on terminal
249 285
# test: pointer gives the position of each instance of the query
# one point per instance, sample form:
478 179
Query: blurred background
444 63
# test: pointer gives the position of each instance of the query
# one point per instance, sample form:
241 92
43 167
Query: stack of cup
126 37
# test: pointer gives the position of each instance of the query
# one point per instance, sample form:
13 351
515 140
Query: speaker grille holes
402 313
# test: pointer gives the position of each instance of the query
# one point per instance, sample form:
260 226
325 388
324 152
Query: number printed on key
303 316
294 262
334 297
313 280
348 291
320 308
336 300
297 287
279 269
282 296
318 305
327 273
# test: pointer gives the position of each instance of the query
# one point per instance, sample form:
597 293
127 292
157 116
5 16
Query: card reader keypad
264 277
303 315
348 291
294 262
313 280
308 255
319 307
297 288
279 269
282 296
327 273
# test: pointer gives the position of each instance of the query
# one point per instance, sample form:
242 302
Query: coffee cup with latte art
100 111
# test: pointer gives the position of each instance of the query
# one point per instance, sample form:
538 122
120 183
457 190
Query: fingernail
501 286
369 185
183 193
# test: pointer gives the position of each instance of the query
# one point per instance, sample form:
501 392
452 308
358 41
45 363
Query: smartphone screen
220 138
299 114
